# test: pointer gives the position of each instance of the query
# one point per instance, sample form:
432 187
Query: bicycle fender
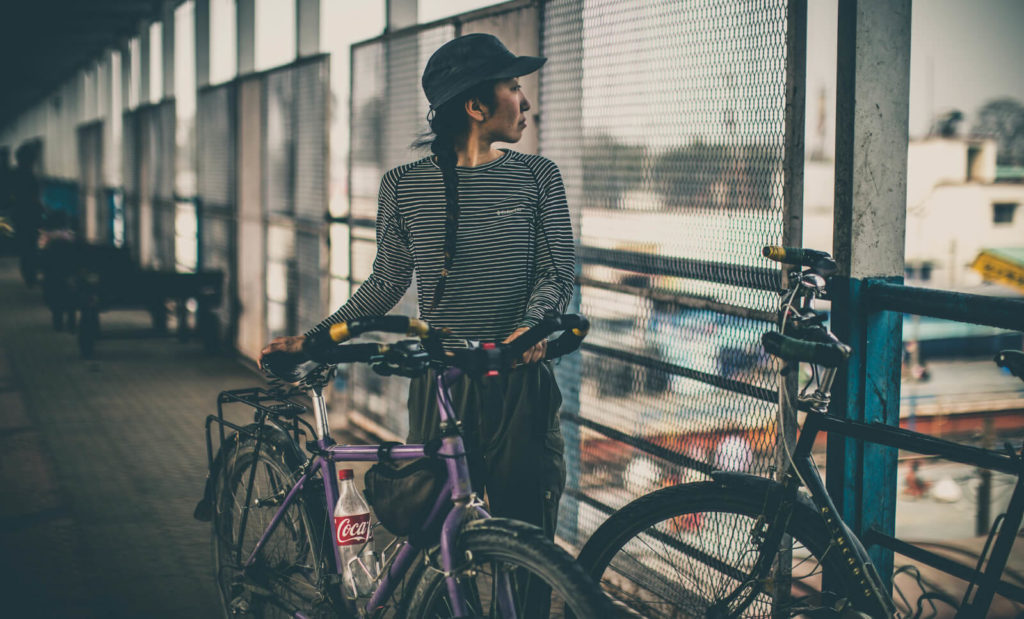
272 434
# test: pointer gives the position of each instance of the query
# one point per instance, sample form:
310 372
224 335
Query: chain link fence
667 119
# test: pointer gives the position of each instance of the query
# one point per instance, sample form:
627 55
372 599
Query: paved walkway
101 465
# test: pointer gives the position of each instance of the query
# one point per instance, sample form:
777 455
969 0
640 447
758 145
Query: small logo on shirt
504 212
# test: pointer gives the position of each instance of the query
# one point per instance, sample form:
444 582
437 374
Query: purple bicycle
268 498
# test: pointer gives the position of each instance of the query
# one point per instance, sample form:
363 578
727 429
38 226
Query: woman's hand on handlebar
285 343
533 354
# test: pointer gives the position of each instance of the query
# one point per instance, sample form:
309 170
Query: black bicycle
746 546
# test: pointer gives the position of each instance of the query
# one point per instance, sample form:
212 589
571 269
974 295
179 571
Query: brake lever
1017 456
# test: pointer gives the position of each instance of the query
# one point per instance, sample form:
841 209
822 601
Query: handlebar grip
1012 360
402 325
534 334
544 328
576 328
320 342
798 256
792 349
351 353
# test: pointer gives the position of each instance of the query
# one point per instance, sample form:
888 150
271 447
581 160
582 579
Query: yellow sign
996 268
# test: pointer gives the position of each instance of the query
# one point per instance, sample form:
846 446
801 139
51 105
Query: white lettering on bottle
350 530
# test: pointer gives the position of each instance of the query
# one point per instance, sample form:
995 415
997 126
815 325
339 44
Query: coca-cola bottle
354 537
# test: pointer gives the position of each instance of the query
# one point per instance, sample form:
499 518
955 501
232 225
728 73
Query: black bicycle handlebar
792 349
317 344
491 358
575 326
405 359
294 366
818 260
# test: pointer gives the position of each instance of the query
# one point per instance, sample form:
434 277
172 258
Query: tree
610 169
703 175
1003 119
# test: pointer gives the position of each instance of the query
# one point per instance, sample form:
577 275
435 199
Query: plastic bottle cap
344 474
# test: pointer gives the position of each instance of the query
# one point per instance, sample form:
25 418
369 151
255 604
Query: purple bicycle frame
457 489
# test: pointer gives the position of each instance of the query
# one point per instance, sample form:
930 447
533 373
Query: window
1002 212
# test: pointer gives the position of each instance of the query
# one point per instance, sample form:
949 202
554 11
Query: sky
963 53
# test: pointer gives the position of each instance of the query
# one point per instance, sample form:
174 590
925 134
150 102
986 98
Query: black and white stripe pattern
515 258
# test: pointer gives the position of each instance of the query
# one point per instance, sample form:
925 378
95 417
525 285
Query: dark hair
448 123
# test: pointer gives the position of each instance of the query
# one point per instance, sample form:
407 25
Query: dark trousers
510 425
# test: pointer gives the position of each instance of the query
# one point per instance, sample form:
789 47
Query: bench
98 278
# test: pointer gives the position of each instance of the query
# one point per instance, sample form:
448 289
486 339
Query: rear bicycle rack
274 404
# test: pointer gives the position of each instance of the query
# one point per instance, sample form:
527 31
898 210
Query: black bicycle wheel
684 551
291 570
544 579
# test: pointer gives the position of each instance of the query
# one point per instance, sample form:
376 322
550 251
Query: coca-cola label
350 530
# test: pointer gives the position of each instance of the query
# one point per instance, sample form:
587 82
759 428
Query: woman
488 235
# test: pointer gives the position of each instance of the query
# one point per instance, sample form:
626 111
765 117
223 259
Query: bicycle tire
487 546
679 551
293 567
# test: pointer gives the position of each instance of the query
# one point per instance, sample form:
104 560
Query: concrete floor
101 465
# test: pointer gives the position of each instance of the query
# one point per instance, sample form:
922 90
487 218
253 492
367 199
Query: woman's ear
476 110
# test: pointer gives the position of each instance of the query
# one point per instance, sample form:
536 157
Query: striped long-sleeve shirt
514 259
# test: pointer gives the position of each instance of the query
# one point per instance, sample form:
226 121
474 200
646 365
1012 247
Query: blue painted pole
883 355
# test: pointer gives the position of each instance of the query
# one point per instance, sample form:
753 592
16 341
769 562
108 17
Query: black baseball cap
468 60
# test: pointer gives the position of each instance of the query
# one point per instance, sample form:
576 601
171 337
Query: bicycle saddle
289 367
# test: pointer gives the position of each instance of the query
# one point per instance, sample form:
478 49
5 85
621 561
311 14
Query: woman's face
506 119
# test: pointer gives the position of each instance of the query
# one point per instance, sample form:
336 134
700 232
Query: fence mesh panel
214 143
676 180
667 120
131 157
295 193
160 121
388 114
95 217
215 185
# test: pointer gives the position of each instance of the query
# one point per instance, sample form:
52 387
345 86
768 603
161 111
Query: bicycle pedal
239 606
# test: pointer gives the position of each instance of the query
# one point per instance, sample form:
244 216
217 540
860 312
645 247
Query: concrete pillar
202 39
872 110
167 57
307 27
401 14
246 29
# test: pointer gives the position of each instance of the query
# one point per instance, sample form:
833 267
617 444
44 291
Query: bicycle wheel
682 551
291 570
545 581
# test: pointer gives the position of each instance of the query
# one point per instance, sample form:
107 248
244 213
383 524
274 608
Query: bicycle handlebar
490 358
792 349
294 366
575 326
322 341
1012 360
407 359
818 260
